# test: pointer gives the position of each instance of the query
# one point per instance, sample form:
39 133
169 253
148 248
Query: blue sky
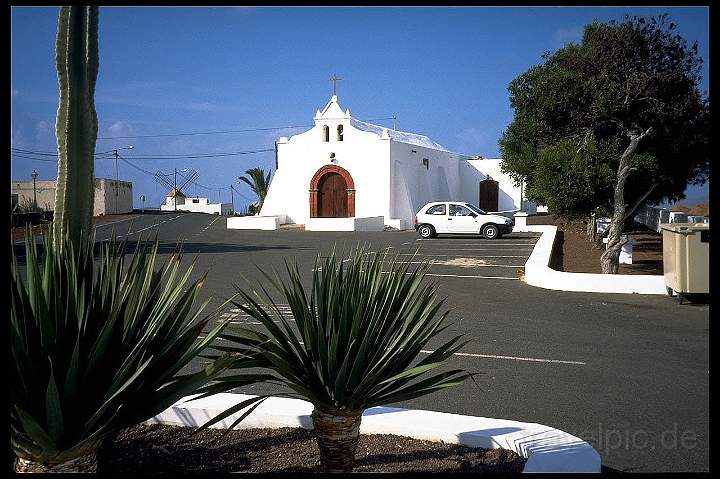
443 71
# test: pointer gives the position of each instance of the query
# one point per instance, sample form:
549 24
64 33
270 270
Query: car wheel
426 231
491 231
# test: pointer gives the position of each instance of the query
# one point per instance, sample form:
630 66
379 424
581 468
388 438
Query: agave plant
355 344
97 348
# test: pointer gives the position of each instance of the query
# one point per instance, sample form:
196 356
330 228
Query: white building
110 197
371 176
194 205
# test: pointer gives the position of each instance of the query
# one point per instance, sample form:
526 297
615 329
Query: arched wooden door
332 196
489 195
332 193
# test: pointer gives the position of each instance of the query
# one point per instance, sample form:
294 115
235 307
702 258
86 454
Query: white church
346 175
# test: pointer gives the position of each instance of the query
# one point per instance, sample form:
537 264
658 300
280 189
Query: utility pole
117 180
175 190
395 121
232 199
117 175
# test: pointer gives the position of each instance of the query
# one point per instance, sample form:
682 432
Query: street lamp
34 175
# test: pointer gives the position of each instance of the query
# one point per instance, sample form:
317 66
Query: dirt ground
575 252
160 448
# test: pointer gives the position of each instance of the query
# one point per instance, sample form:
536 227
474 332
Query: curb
538 273
547 449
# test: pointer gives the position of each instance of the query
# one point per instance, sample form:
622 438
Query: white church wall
509 195
362 154
414 184
390 178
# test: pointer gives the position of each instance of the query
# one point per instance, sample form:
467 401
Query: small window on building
326 133
195 201
340 133
436 210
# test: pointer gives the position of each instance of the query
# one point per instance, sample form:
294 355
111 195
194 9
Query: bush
97 348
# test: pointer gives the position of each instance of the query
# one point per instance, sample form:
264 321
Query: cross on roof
334 79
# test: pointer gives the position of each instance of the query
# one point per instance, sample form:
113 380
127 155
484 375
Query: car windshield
475 209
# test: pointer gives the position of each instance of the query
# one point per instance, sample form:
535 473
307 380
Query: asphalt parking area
597 366
471 257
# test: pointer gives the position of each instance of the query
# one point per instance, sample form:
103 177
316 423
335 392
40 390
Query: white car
459 217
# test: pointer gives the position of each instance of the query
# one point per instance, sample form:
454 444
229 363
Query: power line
241 195
223 132
15 155
216 188
159 156
53 154
203 186
209 188
203 132
43 153
198 155
142 169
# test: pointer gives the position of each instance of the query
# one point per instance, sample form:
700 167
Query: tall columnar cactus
76 54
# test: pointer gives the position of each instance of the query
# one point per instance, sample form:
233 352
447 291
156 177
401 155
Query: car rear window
436 210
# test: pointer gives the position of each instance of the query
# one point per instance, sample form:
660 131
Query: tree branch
585 140
631 211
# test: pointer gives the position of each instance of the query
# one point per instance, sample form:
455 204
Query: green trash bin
686 258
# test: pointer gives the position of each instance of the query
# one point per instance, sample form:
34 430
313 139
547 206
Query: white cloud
44 133
271 136
17 139
121 128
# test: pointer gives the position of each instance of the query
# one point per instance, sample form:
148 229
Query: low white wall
547 449
398 224
253 222
210 208
370 223
538 273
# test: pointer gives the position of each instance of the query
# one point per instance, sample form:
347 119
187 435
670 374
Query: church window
326 133
340 133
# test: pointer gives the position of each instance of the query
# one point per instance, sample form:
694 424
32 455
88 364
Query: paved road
628 373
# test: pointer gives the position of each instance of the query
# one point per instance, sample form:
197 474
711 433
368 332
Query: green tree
259 183
610 124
